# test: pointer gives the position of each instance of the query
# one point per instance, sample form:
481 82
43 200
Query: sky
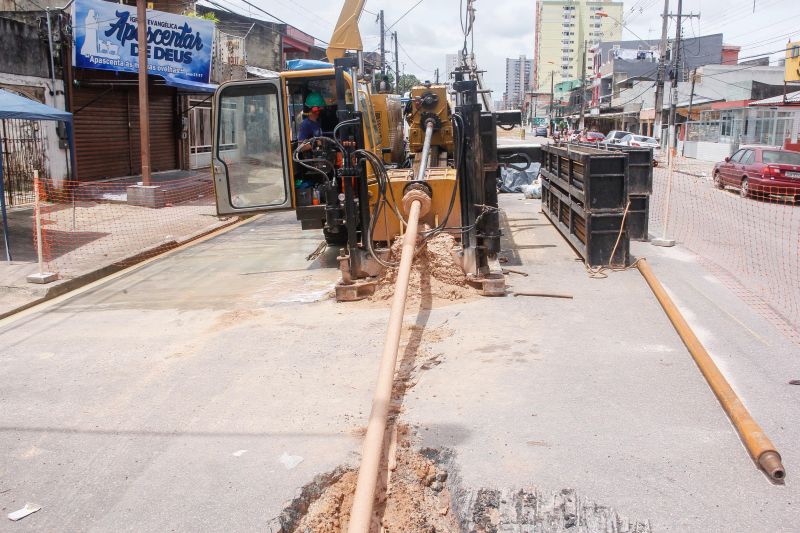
505 28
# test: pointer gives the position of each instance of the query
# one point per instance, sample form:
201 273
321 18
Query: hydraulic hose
757 443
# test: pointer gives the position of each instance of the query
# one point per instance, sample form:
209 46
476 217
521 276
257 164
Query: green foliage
407 81
210 16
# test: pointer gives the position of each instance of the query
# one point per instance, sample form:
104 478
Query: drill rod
372 450
757 443
426 150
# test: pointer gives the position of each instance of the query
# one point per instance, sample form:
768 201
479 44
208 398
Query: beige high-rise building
562 28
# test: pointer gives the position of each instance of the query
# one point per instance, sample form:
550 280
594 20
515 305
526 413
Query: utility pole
662 52
396 66
676 68
689 113
383 48
144 104
583 83
550 113
437 75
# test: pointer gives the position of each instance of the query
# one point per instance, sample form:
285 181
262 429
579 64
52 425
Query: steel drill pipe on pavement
757 443
361 512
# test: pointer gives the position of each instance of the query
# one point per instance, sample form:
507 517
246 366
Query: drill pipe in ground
757 443
361 512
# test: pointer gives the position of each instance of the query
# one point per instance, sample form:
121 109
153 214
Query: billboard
792 62
106 38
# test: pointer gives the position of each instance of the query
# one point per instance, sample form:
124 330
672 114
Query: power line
273 16
408 56
409 10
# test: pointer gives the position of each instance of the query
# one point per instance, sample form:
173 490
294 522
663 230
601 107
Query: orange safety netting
89 225
752 243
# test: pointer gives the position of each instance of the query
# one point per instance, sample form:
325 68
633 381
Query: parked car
760 171
642 141
540 131
615 136
592 137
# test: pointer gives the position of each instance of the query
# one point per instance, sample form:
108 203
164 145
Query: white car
640 141
615 136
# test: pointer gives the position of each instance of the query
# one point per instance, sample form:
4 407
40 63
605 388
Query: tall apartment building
450 64
518 81
562 29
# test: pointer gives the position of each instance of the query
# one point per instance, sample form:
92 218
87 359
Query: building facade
518 81
89 78
450 65
566 33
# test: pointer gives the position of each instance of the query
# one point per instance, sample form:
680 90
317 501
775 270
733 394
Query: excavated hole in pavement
417 499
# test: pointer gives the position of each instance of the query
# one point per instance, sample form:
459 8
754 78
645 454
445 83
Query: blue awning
307 64
15 106
190 86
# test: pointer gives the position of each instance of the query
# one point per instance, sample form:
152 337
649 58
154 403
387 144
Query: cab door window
250 147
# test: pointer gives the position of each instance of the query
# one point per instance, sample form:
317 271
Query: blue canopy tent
19 107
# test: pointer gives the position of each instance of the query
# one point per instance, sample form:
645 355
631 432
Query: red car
760 171
592 137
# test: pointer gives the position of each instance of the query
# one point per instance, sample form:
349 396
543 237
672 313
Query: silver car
615 136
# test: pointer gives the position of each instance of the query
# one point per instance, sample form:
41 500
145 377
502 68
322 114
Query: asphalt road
199 392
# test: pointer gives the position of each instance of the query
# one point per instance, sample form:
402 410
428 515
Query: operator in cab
310 127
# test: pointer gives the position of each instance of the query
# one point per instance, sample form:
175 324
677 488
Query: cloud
505 28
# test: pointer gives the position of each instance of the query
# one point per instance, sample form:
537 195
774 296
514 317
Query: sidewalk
90 231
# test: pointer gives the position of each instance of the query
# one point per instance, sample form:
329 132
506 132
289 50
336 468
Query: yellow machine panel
389 117
430 102
441 181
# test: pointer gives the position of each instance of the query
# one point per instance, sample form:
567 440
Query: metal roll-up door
102 142
163 138
107 131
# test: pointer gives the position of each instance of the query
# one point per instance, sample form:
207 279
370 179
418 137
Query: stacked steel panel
585 194
640 187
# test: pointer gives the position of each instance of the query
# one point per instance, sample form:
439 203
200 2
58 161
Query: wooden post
144 103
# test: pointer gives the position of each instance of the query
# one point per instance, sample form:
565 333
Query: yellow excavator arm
346 35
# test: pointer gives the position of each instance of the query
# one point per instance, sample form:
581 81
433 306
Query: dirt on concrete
417 500
435 275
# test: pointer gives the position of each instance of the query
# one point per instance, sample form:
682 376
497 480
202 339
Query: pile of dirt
434 273
417 500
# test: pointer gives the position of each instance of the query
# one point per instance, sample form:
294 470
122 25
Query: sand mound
417 500
434 274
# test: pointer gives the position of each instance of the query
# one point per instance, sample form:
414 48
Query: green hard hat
315 100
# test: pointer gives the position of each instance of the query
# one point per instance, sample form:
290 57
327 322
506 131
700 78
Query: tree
407 81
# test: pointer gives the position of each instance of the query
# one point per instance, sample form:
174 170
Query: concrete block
152 196
662 242
42 277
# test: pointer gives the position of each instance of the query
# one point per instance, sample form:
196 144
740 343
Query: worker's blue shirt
309 129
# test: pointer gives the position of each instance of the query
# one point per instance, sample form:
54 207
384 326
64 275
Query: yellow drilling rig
351 178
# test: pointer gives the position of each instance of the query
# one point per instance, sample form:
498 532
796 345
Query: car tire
744 188
718 181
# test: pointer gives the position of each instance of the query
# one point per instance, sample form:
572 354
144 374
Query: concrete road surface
199 392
